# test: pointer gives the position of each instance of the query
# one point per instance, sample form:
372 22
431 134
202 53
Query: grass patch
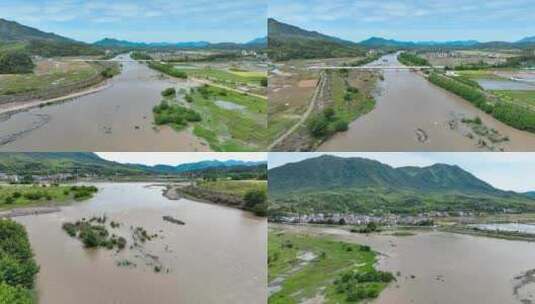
14 196
411 59
231 77
230 129
238 187
309 264
349 104
526 98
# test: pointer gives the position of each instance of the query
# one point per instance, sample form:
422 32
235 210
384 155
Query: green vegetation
174 115
349 104
290 42
169 92
109 72
255 200
384 201
512 114
481 65
252 192
237 187
15 63
57 76
95 235
411 59
79 163
325 124
523 61
365 285
13 196
232 78
526 98
369 228
168 69
330 184
309 266
366 60
17 265
240 128
60 49
140 56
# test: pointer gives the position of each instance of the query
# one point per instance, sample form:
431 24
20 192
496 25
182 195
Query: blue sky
138 20
176 158
508 171
356 20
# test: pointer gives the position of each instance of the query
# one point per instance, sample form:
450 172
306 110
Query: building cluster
40 179
355 219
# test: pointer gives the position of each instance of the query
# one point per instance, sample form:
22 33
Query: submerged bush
168 92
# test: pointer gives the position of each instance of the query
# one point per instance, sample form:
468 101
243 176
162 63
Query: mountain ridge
286 41
88 162
362 172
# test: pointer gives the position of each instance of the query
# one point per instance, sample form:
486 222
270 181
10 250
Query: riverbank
226 237
55 78
462 276
245 195
118 118
315 269
17 265
15 107
412 113
17 197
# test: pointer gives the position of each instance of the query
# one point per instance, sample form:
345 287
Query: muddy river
447 268
219 256
117 118
412 114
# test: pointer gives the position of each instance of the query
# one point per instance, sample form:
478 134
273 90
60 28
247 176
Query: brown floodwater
117 118
447 267
406 105
219 256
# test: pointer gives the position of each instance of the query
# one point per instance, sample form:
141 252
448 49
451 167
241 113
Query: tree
14 295
254 197
16 63
318 126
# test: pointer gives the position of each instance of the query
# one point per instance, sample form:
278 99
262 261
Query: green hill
335 184
17 37
38 163
290 42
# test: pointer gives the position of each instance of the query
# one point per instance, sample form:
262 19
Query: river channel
117 118
411 114
218 256
443 268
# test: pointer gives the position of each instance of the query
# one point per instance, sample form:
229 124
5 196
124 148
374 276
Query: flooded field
440 268
413 114
218 256
510 227
490 84
117 118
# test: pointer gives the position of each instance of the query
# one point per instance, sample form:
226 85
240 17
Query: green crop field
226 77
238 187
519 97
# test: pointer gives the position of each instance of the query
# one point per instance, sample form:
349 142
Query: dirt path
313 102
